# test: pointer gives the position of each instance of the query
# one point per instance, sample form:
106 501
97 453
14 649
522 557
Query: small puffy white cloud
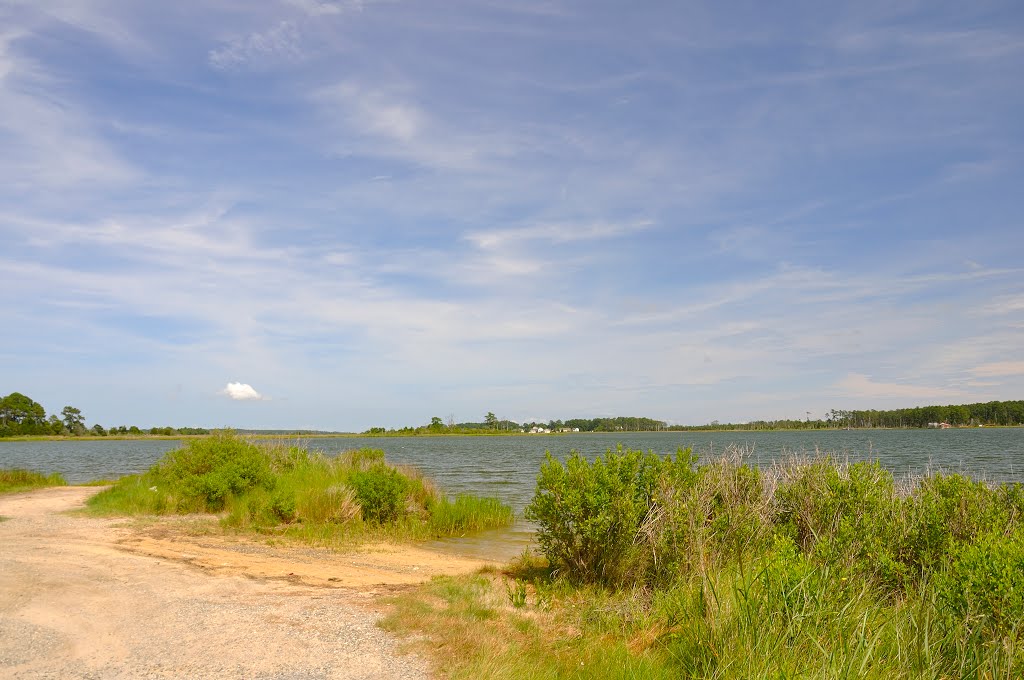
242 392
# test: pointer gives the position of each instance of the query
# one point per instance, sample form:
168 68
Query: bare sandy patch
362 568
85 597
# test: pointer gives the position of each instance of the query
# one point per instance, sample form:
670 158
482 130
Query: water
506 467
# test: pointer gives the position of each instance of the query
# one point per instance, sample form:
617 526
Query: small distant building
939 426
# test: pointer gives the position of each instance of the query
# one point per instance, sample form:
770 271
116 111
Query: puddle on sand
496 545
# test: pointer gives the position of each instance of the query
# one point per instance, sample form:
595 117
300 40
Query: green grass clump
16 479
816 567
467 513
287 490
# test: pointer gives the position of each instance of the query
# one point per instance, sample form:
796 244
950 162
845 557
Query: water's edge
506 466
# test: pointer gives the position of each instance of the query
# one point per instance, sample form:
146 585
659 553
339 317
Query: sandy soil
95 598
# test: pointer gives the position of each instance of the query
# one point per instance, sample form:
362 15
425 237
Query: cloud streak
280 43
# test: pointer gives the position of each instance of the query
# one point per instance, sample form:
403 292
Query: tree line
22 416
495 425
1001 413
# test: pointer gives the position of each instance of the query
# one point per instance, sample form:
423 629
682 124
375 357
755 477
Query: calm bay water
506 467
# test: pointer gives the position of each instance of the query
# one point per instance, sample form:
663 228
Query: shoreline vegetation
263 435
17 479
658 567
23 419
288 491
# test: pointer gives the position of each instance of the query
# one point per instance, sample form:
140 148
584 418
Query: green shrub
985 583
381 492
589 514
206 472
282 504
947 511
703 516
848 515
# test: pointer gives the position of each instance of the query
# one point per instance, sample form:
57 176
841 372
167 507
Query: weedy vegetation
816 567
289 491
16 479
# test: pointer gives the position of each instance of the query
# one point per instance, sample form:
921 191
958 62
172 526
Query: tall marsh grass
289 490
816 567
17 479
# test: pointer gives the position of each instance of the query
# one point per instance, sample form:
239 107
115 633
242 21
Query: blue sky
370 213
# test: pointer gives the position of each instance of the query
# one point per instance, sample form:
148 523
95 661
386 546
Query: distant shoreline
358 435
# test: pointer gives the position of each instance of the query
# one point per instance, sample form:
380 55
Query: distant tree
73 419
436 423
134 429
491 420
98 430
21 415
55 425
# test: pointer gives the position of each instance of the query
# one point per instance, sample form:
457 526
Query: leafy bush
947 511
846 514
209 471
589 514
985 583
282 504
381 492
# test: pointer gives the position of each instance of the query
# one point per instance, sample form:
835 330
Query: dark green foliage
20 415
1001 413
381 491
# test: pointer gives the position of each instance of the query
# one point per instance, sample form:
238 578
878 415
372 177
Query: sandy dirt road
98 598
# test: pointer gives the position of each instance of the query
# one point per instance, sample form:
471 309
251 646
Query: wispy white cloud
858 385
999 369
51 142
280 43
327 8
555 233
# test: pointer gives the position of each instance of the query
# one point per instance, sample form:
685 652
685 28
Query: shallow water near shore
506 466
